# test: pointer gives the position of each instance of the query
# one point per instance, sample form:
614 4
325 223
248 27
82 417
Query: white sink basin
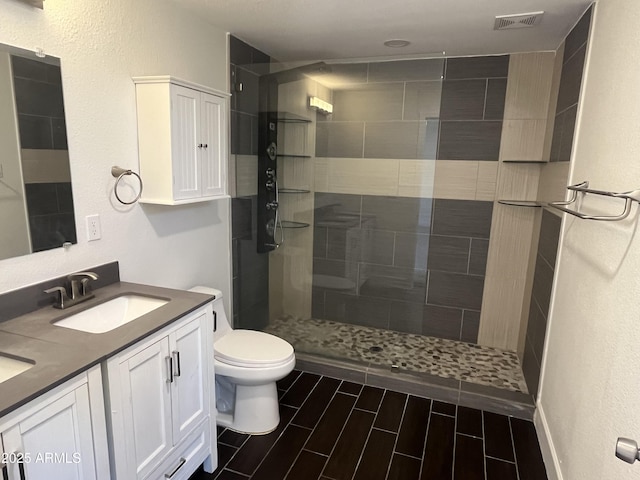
112 314
10 367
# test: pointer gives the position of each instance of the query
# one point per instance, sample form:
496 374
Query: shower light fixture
320 105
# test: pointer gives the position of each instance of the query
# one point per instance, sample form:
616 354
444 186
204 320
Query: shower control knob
270 173
627 450
272 205
270 184
272 151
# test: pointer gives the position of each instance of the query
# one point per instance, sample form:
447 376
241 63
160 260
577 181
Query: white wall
101 46
591 377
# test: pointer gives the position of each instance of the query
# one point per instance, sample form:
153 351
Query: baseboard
549 456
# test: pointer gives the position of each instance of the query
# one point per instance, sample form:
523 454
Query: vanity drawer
186 457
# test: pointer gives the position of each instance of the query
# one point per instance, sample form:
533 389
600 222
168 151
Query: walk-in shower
367 231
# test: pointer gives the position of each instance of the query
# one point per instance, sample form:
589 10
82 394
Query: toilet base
256 410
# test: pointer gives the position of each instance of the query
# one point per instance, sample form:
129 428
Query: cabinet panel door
188 392
185 118
213 132
146 408
57 441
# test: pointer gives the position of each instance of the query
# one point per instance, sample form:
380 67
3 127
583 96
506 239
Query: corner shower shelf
287 117
293 190
284 155
522 203
292 224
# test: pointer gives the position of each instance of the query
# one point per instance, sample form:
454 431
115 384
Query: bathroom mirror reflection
36 202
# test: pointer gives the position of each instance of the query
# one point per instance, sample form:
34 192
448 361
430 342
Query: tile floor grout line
455 444
426 437
484 444
395 444
500 459
364 447
513 447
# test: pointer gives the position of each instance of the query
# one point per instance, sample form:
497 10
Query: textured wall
590 386
101 46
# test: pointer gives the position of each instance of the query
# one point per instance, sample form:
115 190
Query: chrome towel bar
583 187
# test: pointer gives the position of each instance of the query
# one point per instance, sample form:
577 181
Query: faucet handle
79 282
62 295
91 275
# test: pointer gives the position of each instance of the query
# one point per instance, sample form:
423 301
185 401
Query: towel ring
118 173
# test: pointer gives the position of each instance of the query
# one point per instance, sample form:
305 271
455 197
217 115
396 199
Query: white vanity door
146 409
56 441
188 398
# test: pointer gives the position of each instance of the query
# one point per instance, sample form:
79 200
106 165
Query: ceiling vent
520 20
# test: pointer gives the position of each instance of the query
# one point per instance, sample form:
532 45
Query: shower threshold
446 370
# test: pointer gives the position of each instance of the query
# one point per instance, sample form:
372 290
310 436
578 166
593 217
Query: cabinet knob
200 145
205 145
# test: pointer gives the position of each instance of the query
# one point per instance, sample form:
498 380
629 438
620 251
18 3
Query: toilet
247 365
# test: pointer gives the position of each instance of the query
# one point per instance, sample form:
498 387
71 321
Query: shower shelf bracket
583 188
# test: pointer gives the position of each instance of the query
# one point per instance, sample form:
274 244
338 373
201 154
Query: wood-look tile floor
333 429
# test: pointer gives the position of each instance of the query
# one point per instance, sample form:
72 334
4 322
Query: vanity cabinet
61 434
159 401
182 140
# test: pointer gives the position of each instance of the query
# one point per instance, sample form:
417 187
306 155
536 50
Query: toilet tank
221 323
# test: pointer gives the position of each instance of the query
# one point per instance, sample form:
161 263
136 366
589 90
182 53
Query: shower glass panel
383 214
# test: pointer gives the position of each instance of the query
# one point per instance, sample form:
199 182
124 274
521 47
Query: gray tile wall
570 81
408 264
250 269
540 299
448 109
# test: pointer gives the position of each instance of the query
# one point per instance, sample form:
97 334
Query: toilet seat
251 349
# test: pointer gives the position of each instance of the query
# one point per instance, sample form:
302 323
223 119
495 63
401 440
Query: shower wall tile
470 326
241 218
392 282
343 275
448 254
406 70
477 67
246 101
428 320
339 139
579 34
478 256
319 242
246 175
370 312
428 135
399 214
469 140
463 99
241 133
571 79
531 369
416 178
462 218
549 234
523 140
422 100
456 179
340 75
456 290
542 283
317 302
240 53
364 176
411 250
35 132
392 139
568 119
337 210
369 102
377 247
487 180
495 101
38 98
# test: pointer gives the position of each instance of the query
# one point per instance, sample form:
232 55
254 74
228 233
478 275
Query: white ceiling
294 30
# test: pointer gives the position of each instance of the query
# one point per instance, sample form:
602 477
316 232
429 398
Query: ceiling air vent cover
520 20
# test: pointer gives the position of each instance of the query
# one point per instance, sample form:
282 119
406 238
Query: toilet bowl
247 365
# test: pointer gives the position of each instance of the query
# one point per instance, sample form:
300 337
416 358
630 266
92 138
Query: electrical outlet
94 232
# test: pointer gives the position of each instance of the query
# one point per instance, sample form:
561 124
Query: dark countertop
61 353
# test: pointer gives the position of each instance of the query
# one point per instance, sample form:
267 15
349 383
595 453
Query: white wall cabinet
61 434
160 399
182 140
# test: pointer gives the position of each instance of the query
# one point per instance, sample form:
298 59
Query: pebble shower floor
410 352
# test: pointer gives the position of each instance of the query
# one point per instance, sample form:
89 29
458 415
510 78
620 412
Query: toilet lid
248 348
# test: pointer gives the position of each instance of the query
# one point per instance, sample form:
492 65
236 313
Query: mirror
36 202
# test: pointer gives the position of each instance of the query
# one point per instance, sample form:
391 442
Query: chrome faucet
78 287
